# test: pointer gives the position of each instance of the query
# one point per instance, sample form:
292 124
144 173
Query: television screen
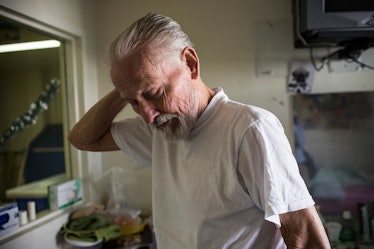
348 5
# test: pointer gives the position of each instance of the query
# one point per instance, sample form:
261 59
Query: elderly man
224 175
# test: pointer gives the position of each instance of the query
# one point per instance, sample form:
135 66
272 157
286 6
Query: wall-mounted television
322 23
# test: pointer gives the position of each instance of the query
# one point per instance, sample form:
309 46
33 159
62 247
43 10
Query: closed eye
149 95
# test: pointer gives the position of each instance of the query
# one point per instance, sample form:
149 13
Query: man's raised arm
92 131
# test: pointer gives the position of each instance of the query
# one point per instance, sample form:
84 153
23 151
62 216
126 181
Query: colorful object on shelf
8 219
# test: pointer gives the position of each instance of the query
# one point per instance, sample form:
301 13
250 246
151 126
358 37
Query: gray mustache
163 118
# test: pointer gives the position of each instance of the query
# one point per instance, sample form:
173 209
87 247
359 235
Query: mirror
334 149
33 150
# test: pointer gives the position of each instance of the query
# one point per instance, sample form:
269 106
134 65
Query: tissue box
65 194
8 219
36 191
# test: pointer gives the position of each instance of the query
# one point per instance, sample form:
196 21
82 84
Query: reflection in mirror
32 93
334 149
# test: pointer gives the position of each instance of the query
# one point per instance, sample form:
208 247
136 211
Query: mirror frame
74 102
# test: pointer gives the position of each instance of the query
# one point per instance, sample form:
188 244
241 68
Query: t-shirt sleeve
134 138
269 170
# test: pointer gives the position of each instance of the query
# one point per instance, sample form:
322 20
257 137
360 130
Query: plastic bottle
347 233
364 222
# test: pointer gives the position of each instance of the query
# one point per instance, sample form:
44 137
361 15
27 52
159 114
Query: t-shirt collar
218 97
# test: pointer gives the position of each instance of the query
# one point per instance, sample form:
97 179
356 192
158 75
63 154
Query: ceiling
11 32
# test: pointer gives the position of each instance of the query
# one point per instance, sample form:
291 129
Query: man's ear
189 56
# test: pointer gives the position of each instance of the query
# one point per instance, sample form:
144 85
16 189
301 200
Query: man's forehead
126 71
133 84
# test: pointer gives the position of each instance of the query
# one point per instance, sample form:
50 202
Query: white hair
153 35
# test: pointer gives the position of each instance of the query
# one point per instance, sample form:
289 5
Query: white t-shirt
225 184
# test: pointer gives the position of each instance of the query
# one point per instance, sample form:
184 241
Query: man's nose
148 111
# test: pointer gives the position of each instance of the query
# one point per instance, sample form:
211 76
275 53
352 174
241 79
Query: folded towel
105 233
90 222
91 228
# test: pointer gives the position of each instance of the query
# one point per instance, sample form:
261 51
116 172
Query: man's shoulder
248 112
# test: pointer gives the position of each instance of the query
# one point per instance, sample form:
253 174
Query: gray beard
179 126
